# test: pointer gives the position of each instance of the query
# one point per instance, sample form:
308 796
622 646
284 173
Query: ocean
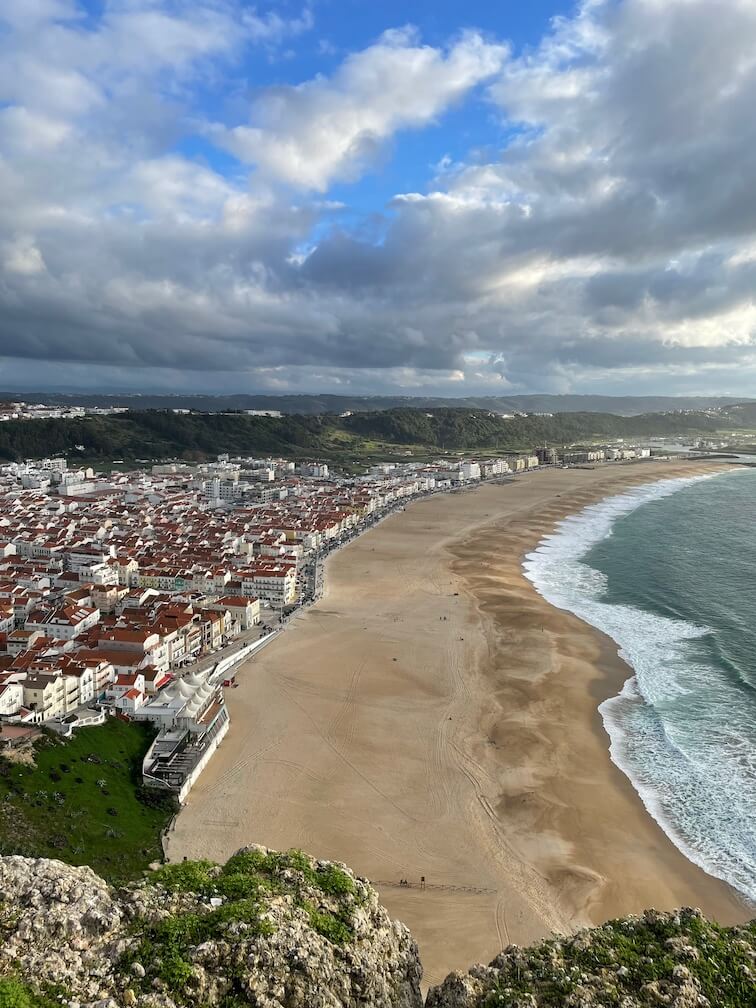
668 570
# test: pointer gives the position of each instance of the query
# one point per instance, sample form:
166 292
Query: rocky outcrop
676 959
267 930
270 930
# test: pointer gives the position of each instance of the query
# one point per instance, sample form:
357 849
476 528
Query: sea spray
683 728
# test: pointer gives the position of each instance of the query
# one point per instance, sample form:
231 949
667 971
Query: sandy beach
433 716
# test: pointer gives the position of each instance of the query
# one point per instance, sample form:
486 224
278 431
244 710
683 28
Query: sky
449 198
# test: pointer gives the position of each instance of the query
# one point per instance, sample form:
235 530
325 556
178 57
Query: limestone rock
272 930
677 959
277 931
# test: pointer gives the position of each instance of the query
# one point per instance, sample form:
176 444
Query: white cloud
22 256
332 128
54 57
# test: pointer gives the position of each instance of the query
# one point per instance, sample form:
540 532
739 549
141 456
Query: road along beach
433 716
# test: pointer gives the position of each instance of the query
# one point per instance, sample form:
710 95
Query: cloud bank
147 241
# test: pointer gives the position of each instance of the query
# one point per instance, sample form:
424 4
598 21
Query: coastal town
138 594
377 504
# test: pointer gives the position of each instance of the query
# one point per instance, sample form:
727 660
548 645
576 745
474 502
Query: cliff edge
282 930
267 929
676 959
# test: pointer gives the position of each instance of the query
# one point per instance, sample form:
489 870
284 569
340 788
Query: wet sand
433 716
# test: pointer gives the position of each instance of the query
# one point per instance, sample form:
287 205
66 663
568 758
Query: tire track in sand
530 883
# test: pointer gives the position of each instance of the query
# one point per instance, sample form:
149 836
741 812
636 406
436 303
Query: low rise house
65 622
144 641
45 696
275 583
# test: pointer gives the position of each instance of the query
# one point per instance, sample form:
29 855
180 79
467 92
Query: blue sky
456 198
342 27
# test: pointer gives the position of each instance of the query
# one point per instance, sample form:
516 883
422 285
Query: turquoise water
669 571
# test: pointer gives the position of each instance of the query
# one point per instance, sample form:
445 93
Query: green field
83 803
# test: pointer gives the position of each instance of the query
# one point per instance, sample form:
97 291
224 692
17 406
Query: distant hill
317 404
154 434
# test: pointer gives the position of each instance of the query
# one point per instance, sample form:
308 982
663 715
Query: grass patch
14 993
334 928
83 802
186 876
165 947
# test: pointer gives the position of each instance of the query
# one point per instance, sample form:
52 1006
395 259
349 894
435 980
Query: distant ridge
165 433
318 404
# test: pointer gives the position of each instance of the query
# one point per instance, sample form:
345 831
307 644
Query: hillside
467 429
154 434
82 800
267 930
678 959
159 434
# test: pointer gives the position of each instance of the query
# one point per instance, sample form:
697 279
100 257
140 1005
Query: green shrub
331 927
240 885
334 881
156 799
175 971
249 861
14 994
329 879
185 876
250 872
647 951
169 942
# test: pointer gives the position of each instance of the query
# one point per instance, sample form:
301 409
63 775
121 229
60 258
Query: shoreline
580 655
433 715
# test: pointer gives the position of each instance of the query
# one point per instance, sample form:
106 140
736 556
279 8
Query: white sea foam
693 764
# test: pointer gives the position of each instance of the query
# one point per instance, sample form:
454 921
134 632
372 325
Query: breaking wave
690 757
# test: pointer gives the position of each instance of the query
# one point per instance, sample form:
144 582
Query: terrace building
193 719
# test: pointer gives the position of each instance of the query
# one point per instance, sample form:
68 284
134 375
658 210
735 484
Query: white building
315 470
467 471
276 583
63 623
193 719
11 698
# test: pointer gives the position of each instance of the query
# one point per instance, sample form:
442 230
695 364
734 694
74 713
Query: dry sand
434 716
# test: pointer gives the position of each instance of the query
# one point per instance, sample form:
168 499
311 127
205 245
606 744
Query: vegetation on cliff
156 434
283 930
678 959
268 930
242 889
14 993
